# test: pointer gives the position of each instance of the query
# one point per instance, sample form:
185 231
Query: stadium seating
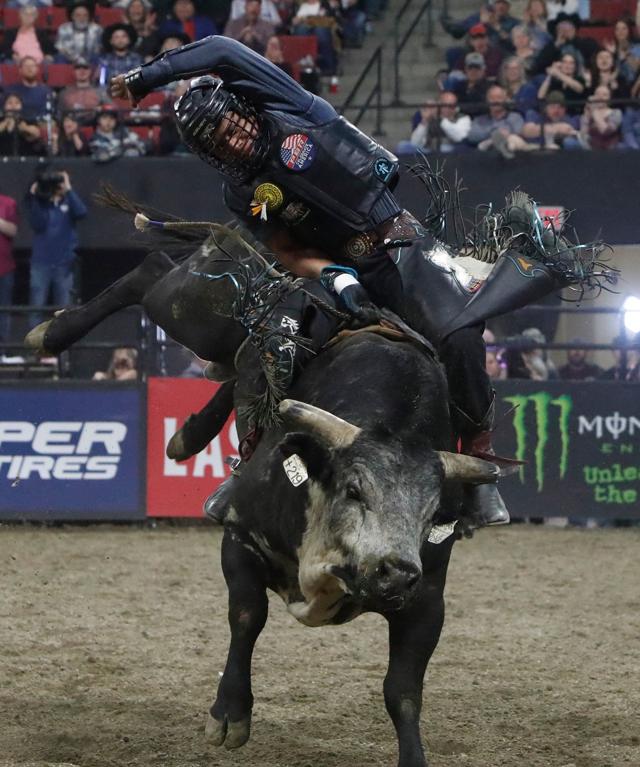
59 75
599 34
612 10
9 74
296 47
107 16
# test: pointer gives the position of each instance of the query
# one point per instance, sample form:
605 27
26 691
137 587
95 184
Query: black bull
353 537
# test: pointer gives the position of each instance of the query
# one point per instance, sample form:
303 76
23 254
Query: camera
47 184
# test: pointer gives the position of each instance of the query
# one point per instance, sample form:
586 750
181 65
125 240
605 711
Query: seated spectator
600 125
268 11
168 43
553 129
112 140
317 17
535 21
578 368
122 366
274 54
522 47
627 361
494 366
631 128
140 15
471 88
353 22
491 131
625 50
522 94
495 16
565 41
119 57
19 136
536 360
36 98
80 37
26 40
565 77
442 127
67 141
603 72
478 42
186 21
250 28
82 98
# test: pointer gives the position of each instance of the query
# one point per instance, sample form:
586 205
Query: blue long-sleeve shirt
54 226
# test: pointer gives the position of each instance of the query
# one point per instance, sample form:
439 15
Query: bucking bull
335 510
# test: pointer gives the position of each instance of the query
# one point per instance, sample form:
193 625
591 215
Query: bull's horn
326 426
466 468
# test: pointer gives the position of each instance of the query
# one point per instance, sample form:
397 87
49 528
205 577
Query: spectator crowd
56 59
558 77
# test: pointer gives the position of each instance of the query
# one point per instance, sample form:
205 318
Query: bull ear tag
295 469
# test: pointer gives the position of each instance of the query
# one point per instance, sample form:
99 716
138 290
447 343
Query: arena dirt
112 639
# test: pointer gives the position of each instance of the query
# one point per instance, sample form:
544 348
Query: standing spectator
112 140
478 42
565 41
35 97
627 361
471 89
268 11
521 94
625 50
67 139
491 131
122 366
600 125
26 40
19 137
140 15
578 368
185 21
442 127
274 54
8 230
250 28
535 20
83 97
119 58
603 72
564 76
80 37
53 209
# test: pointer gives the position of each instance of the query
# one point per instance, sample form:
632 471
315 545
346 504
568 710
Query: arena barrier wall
96 451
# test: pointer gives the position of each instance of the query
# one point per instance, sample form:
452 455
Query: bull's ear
315 454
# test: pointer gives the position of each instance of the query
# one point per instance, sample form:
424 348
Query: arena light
631 311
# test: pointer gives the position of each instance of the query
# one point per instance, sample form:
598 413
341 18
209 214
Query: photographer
53 209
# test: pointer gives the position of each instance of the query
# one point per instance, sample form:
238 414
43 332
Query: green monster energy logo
546 410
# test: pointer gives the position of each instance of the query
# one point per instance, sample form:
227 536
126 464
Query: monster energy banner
581 444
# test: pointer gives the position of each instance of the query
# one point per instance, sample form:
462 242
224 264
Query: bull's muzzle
393 582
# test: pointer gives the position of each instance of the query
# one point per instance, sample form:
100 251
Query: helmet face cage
221 128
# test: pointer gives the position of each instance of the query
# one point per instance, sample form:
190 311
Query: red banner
179 489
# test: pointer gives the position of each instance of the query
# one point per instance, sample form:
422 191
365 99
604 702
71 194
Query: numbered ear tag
295 470
440 533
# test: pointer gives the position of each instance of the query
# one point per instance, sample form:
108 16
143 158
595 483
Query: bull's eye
353 493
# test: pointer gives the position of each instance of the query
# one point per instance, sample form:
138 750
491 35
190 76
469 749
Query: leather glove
356 301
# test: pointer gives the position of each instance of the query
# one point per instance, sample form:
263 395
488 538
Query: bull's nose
396 575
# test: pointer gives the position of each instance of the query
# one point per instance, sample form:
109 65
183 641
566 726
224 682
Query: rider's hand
118 90
356 301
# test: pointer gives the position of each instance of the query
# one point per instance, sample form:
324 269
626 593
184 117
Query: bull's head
371 502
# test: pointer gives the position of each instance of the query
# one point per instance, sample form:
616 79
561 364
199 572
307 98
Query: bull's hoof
216 371
232 734
176 448
35 338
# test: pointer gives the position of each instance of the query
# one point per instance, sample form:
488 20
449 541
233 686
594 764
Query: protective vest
332 172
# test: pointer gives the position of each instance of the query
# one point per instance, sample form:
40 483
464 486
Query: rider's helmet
222 128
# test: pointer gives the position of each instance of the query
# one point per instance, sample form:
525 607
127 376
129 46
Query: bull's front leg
413 635
244 572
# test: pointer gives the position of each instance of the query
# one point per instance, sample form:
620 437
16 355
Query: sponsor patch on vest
383 168
297 152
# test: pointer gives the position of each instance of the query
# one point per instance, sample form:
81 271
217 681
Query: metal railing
401 39
374 63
